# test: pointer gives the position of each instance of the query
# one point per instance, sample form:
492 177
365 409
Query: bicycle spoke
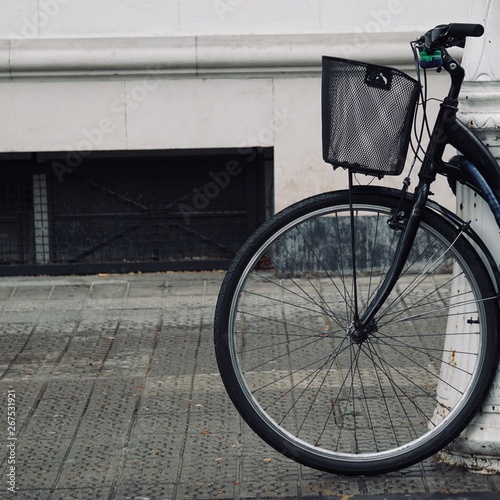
293 304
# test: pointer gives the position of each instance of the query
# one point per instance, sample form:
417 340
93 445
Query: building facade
139 134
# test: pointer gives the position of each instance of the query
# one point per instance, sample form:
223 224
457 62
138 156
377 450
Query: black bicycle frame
477 168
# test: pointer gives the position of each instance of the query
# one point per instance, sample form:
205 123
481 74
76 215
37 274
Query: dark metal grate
16 219
117 213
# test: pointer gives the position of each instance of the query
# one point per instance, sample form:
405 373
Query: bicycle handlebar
464 30
450 35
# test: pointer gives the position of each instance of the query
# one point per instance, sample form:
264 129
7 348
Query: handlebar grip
462 30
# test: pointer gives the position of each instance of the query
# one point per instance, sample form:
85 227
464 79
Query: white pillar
478 447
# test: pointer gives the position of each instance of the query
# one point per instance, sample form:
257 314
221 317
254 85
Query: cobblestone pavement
117 395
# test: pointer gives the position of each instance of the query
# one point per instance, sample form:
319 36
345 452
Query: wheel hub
359 333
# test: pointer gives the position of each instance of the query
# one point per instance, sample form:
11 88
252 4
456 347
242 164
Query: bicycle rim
336 403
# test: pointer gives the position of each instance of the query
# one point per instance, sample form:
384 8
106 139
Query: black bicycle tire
377 197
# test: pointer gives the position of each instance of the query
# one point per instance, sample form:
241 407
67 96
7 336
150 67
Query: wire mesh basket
367 114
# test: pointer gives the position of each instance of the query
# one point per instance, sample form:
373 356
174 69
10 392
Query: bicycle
356 330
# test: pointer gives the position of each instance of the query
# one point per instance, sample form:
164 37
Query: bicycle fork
365 325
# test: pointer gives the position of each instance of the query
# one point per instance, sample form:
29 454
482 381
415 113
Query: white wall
164 74
138 18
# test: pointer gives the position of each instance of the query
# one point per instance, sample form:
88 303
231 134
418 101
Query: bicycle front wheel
340 402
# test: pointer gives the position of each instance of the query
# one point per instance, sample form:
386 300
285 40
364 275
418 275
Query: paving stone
34 494
92 463
119 397
324 485
458 483
201 490
390 485
55 418
142 488
39 461
26 399
81 494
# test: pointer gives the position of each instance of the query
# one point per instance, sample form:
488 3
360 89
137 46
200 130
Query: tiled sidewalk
117 395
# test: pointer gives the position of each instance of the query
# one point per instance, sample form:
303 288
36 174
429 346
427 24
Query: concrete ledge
198 56
478 106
